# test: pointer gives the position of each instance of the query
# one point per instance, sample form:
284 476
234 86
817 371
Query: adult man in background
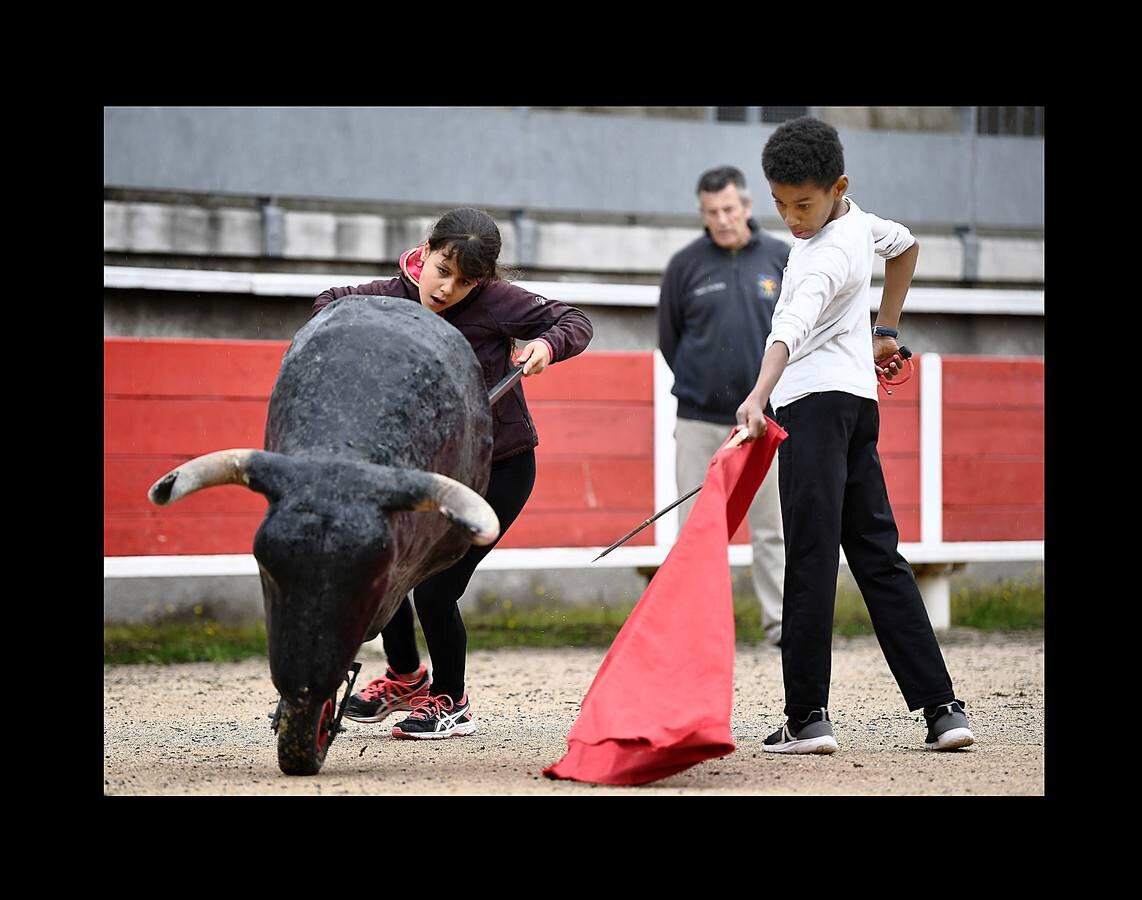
715 308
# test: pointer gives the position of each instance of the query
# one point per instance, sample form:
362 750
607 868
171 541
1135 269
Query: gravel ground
203 729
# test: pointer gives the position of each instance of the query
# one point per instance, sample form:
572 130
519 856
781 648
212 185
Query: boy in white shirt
820 373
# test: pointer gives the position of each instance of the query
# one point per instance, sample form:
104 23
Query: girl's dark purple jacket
490 317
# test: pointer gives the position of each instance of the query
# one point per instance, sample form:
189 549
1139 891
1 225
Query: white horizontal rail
975 301
565 558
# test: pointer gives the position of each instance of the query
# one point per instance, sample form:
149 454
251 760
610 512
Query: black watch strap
882 331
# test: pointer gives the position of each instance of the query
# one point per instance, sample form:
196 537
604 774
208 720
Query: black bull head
378 415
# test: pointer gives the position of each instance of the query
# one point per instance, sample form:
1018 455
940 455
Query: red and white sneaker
382 697
437 717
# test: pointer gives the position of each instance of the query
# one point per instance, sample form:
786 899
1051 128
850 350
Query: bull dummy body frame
335 727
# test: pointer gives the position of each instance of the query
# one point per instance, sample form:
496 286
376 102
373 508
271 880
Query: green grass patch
494 622
1007 606
1011 605
201 640
850 616
504 624
499 623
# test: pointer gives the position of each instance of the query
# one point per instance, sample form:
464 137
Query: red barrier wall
993 449
166 401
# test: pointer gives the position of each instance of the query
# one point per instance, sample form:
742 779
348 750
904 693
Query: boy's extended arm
752 411
898 273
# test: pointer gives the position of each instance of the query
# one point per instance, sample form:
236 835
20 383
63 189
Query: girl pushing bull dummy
455 275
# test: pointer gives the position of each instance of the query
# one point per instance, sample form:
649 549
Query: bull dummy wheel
304 735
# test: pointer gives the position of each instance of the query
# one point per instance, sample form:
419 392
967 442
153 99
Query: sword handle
506 384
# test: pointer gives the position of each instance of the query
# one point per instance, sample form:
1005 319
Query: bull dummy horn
211 470
432 492
460 504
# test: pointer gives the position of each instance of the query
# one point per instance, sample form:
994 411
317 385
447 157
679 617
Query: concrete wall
549 161
128 313
136 231
171 315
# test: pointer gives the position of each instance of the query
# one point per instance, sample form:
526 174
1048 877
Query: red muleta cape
662 698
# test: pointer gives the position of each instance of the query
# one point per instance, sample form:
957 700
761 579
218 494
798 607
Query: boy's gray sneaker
813 734
947 727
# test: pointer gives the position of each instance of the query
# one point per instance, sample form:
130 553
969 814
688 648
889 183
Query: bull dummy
379 415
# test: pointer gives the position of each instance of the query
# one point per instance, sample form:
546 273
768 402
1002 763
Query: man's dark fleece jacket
715 309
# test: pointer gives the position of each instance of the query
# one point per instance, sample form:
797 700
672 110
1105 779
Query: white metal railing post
933 580
931 449
665 451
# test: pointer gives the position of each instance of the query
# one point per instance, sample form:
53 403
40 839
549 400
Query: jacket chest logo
767 286
709 288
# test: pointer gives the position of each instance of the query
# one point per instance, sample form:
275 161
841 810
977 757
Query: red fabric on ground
661 700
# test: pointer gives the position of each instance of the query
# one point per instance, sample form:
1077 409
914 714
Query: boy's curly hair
801 150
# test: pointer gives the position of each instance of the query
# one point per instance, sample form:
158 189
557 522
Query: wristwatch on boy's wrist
883 331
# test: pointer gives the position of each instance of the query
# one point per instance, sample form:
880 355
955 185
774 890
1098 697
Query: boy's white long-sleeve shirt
822 314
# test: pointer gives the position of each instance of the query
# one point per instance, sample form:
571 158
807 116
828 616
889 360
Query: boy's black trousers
833 495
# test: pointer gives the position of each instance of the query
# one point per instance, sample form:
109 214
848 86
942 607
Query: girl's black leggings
437 598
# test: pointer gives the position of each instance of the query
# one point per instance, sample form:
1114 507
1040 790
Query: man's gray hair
717 179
